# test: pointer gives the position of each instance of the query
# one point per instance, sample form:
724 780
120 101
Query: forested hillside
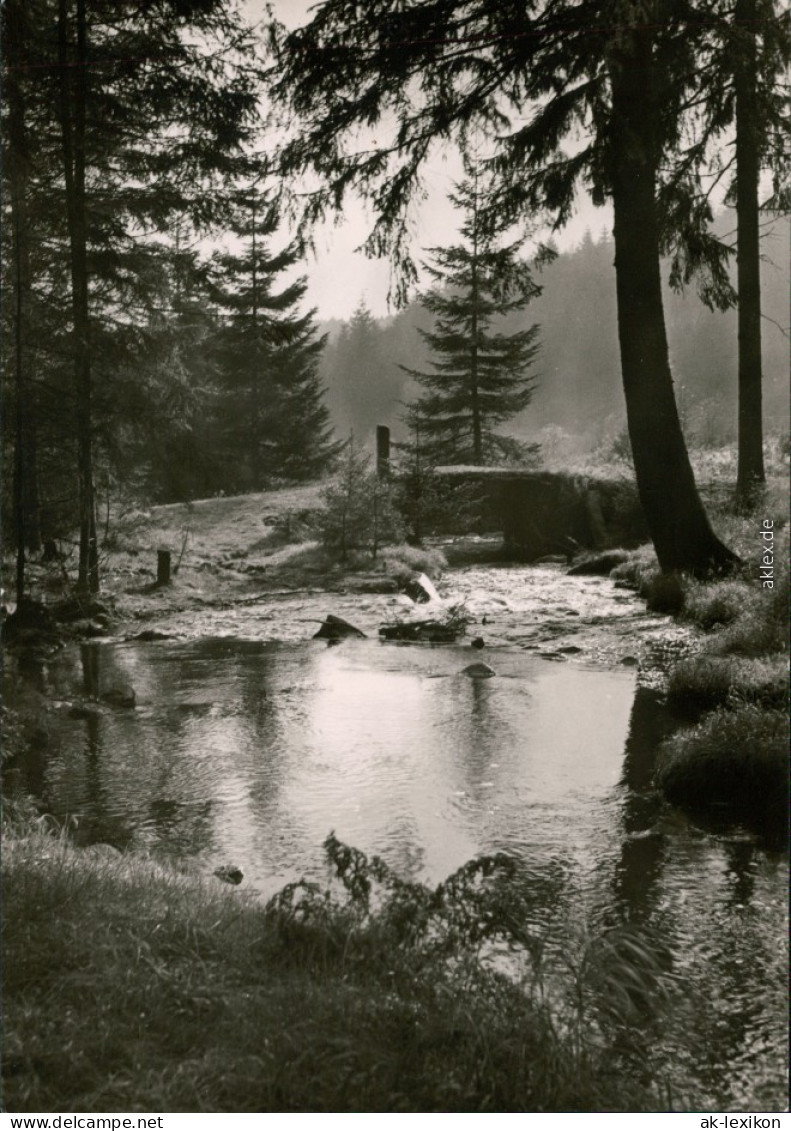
578 369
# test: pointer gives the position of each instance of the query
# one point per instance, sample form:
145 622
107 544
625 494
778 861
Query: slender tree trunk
73 97
677 522
19 373
477 438
16 35
751 475
32 499
256 388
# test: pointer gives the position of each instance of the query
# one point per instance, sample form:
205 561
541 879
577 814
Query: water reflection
643 843
252 753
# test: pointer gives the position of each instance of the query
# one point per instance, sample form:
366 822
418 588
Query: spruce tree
273 419
481 377
137 115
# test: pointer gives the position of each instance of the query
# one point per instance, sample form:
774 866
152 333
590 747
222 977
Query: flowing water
250 751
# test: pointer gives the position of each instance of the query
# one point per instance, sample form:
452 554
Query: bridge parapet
545 512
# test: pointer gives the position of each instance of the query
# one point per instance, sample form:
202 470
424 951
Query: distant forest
579 386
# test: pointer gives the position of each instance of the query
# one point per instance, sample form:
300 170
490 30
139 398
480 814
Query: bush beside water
734 758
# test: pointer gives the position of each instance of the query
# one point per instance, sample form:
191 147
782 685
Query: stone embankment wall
548 513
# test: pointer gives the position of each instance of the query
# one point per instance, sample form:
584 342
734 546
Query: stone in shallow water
336 628
478 671
421 590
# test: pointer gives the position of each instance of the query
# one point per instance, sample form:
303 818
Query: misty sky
338 277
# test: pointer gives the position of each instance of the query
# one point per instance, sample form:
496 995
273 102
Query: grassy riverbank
733 695
129 987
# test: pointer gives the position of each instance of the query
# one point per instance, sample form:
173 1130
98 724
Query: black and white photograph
395 560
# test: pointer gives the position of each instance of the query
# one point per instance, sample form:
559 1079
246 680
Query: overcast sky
339 277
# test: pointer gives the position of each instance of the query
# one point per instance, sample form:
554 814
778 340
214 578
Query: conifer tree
360 511
137 115
480 377
273 419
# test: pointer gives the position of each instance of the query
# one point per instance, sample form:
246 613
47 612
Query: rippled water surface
250 753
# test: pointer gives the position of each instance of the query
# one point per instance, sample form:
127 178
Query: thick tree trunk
751 475
677 522
73 97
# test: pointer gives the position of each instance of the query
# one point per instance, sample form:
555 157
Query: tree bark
17 38
477 434
73 98
17 160
677 522
750 476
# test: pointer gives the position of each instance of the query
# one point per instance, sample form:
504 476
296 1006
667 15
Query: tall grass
130 988
704 683
733 758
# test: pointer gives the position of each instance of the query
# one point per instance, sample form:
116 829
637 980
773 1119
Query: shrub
639 568
402 561
359 508
733 758
431 504
715 603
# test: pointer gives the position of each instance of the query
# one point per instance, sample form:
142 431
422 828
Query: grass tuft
704 683
712 604
733 758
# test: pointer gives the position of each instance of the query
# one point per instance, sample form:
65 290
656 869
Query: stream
249 742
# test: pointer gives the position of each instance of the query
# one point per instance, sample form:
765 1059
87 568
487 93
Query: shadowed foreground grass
130 987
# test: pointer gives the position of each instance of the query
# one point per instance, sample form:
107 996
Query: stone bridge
543 513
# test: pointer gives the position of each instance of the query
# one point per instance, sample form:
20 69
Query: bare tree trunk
677 522
751 476
477 432
16 35
73 97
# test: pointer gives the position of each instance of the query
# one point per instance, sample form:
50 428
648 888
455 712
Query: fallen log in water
431 631
444 628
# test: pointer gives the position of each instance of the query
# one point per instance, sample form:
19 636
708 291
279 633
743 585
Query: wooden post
382 451
163 567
